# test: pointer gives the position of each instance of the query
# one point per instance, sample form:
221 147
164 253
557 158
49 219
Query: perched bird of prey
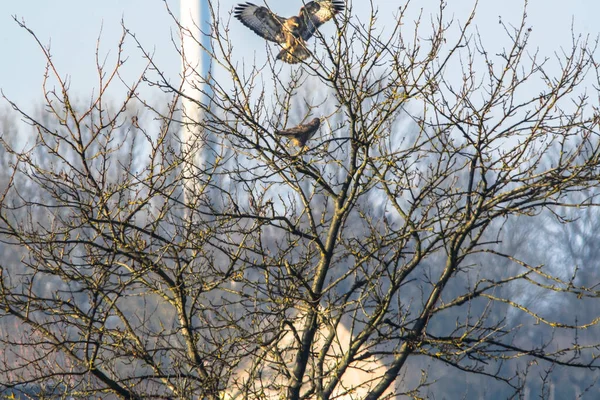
291 33
300 134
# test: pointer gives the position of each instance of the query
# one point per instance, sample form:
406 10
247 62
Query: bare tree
387 254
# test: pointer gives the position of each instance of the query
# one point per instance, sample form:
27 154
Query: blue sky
73 26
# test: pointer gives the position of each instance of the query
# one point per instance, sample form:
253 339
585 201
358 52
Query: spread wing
316 13
262 21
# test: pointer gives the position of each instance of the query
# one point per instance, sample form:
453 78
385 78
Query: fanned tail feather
294 54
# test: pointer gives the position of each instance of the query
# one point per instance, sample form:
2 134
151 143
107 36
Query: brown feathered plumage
290 33
300 134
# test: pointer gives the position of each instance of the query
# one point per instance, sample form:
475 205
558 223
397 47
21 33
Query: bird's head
293 24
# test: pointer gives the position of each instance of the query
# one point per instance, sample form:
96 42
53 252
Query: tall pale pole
198 144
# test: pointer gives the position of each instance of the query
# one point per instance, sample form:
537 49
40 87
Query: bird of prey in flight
291 33
300 134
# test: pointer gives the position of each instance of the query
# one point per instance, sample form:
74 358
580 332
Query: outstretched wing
316 13
262 21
